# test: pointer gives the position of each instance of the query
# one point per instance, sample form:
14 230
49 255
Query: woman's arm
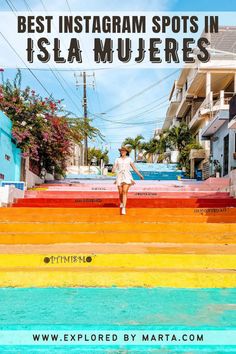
136 170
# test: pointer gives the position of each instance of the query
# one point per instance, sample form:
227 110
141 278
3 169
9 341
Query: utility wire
53 73
32 73
141 92
12 7
68 5
27 5
137 109
127 123
131 117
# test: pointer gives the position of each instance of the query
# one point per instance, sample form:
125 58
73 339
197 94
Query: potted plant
217 168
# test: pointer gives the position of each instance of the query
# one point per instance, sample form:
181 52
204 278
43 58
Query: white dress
122 168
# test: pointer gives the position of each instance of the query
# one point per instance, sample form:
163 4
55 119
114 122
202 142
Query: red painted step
107 194
132 202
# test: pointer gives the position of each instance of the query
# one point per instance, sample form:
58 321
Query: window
7 157
2 176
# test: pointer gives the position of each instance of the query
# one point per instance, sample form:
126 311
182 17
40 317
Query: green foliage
40 126
134 144
184 155
178 137
80 128
156 146
98 154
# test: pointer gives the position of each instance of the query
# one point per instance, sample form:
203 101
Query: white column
221 98
211 99
208 86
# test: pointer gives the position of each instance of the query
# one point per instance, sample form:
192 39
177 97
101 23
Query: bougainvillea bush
39 127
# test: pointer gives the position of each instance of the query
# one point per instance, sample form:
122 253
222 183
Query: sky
111 100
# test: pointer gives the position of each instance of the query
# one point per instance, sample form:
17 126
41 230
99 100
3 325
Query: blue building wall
218 146
10 155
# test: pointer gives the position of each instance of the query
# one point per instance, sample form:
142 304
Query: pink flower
45 136
25 154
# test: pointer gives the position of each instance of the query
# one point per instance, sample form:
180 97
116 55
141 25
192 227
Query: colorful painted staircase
69 260
155 195
72 235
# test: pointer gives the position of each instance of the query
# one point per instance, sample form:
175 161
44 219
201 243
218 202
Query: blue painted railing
158 171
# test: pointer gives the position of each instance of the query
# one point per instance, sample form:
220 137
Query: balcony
200 113
216 123
197 154
175 99
217 109
187 91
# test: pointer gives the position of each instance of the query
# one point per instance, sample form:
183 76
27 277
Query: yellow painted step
120 279
124 261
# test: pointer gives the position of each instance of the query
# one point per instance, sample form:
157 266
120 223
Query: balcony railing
211 107
185 90
204 107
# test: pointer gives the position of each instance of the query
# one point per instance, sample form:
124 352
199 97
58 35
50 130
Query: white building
76 160
200 97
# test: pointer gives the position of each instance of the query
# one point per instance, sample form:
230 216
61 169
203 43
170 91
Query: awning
214 125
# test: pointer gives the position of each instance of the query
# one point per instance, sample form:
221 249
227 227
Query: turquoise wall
10 155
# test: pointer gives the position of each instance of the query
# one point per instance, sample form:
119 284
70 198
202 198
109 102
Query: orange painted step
65 228
119 248
135 214
117 217
163 236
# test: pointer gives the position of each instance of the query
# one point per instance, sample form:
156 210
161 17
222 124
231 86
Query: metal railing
212 106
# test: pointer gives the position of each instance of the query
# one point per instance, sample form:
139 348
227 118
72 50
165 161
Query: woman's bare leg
125 194
120 189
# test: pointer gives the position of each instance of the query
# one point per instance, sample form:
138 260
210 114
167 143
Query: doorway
226 155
